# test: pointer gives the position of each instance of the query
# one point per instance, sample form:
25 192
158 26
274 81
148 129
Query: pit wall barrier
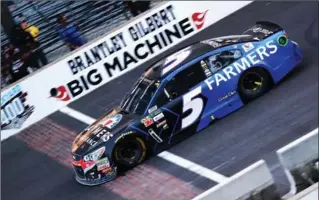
256 182
106 58
250 182
299 162
311 193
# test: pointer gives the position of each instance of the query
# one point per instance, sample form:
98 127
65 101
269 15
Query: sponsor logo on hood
112 121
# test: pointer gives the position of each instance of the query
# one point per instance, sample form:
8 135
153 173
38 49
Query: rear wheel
254 83
130 152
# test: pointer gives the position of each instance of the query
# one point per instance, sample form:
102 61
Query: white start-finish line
177 160
193 167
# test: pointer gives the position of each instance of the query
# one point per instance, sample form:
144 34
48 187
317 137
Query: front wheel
254 83
130 152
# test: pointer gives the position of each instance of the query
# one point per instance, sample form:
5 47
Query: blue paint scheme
278 65
221 97
174 128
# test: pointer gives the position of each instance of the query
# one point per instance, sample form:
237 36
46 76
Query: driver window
223 59
185 80
169 92
161 98
182 83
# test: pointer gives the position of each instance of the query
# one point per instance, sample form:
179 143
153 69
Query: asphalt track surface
36 164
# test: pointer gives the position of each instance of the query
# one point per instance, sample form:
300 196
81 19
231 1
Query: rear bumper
290 59
297 53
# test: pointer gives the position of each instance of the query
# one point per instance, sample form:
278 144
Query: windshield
226 40
137 100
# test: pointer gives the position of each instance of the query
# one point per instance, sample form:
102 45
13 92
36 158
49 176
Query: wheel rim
252 82
129 152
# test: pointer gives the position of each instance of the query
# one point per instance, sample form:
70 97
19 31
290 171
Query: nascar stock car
182 94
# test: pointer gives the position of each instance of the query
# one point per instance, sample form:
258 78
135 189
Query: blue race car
181 95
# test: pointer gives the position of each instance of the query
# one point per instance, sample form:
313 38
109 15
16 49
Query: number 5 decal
175 59
195 104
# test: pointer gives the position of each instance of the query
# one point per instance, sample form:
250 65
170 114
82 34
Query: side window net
185 80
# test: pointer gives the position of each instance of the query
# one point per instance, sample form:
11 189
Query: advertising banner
108 57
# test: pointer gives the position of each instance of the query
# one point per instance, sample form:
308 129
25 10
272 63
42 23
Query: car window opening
136 101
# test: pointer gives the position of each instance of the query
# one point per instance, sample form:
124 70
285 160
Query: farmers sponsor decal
147 36
14 108
242 64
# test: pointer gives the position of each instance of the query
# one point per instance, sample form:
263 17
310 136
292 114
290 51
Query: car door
220 88
184 104
178 105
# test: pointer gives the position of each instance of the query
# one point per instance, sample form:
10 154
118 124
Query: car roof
159 70
156 70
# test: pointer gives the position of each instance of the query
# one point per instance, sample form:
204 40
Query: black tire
130 152
253 83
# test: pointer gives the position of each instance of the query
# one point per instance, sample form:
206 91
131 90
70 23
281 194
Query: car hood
101 131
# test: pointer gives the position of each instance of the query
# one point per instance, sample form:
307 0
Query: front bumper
96 178
89 174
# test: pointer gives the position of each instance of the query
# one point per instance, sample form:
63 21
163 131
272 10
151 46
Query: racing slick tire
130 152
253 83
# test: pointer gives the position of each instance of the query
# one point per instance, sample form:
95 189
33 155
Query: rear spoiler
263 29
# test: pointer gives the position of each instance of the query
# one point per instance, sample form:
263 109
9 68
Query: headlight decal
86 166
